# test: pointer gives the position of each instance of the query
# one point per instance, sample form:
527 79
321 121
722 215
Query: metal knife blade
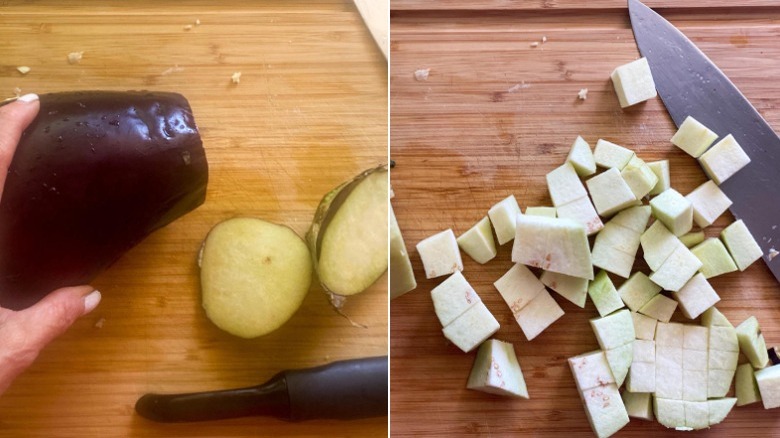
691 85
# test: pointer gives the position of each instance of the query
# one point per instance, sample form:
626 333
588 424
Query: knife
343 390
376 16
691 85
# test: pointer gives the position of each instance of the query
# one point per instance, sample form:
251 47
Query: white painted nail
32 97
91 301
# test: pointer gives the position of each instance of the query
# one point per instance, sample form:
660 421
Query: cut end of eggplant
93 175
254 276
348 237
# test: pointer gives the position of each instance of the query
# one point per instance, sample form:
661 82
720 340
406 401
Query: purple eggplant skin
93 175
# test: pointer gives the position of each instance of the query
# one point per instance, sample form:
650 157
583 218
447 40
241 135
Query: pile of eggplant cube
677 373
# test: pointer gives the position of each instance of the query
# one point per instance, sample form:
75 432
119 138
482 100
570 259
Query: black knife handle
269 399
344 390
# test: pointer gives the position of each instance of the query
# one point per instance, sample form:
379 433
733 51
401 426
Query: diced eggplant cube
503 216
661 170
639 177
719 409
558 245
605 410
693 238
768 381
518 287
591 370
574 289
614 330
440 254
564 185
539 314
714 257
677 269
452 298
644 326
674 210
497 371
639 404
471 328
724 159
604 295
741 244
659 307
581 210
658 243
581 157
609 155
633 218
610 193
637 291
709 202
746 387
752 343
696 296
693 137
633 82
478 242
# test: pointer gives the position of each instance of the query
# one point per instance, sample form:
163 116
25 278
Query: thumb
25 333
54 314
14 118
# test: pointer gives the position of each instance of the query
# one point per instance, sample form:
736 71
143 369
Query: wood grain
309 113
494 116
548 5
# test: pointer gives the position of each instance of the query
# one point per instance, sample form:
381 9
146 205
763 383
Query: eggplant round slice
254 275
348 237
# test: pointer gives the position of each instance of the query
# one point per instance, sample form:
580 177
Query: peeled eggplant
94 174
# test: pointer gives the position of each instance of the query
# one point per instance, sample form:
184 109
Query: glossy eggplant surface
94 174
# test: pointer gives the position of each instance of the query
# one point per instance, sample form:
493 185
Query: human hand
24 333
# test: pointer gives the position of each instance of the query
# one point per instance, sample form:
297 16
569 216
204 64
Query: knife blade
376 16
689 84
343 390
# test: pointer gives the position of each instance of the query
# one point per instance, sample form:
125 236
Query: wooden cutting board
309 113
493 117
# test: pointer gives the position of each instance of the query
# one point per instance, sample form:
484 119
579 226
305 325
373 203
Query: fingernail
27 98
91 301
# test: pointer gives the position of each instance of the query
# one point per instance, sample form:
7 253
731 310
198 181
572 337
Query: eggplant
348 237
93 175
773 356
